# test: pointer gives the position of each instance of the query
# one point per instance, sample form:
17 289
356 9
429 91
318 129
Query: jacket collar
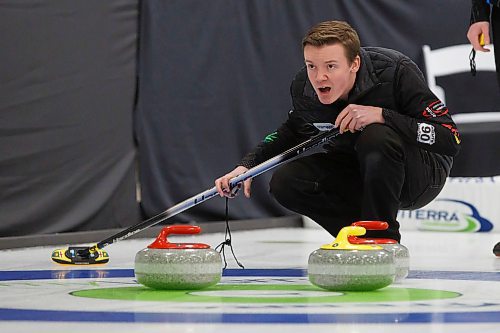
365 77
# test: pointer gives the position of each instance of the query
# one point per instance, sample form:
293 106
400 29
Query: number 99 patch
426 133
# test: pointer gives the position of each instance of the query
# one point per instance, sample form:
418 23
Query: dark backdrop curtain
214 80
67 89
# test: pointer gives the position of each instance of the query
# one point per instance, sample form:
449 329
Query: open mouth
324 90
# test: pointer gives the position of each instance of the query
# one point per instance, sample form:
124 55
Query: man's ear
356 63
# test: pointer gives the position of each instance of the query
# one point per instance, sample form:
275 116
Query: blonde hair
333 32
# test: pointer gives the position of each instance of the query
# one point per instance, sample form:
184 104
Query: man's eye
309 66
332 66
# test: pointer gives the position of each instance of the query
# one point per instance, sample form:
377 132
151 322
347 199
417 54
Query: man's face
330 72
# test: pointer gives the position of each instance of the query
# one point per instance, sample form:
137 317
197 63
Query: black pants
380 176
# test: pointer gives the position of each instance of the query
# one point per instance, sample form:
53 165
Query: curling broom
95 255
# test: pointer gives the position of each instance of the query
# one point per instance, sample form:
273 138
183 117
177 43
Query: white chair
452 60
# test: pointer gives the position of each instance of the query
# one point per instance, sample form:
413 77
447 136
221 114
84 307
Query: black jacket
386 79
480 10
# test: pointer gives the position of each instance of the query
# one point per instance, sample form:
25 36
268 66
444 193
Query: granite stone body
178 269
351 270
401 259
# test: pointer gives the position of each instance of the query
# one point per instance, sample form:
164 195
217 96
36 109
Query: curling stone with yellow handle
165 265
342 266
400 252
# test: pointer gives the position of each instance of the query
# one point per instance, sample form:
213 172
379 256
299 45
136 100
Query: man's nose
321 76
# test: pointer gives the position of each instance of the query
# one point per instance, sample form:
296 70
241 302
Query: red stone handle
161 242
180 230
371 225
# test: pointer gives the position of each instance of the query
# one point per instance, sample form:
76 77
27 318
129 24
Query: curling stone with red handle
165 265
401 253
342 266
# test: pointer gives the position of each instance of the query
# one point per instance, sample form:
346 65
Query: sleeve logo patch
453 131
426 133
435 109
324 126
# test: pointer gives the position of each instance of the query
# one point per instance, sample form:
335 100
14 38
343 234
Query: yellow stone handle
341 242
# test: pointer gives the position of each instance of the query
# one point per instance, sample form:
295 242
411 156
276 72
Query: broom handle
210 193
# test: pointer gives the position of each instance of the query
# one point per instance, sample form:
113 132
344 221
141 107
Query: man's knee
378 141
290 183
